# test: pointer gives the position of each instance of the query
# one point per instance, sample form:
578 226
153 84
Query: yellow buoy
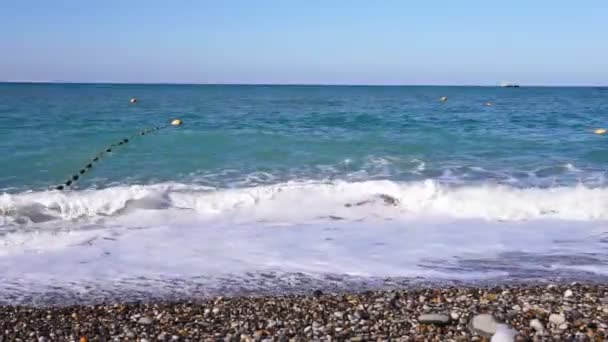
176 122
443 98
600 131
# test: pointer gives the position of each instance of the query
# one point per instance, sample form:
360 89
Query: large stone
484 325
434 318
557 319
145 320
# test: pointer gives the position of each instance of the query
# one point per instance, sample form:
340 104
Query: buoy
133 100
443 98
489 103
176 122
600 131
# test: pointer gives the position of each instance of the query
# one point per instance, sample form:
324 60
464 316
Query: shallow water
329 185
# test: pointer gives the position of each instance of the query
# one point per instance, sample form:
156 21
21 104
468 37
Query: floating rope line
76 176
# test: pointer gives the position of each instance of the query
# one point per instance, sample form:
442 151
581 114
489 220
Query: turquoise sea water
238 135
284 188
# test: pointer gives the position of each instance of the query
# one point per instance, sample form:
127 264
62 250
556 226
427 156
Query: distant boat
509 85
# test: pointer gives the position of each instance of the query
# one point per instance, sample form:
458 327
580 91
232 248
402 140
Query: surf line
76 176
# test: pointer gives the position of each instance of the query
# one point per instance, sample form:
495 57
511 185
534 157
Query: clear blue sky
309 41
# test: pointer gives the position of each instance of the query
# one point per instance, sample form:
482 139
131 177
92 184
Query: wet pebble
432 314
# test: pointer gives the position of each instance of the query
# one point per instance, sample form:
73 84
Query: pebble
568 293
434 318
145 320
363 316
557 319
537 325
484 324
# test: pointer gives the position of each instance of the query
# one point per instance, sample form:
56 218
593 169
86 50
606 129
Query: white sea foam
130 238
302 201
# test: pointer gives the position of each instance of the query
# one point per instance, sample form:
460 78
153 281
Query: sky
540 42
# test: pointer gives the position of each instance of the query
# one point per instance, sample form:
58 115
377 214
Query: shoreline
536 311
254 285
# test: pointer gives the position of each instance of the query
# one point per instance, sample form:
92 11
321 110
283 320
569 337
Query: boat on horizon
508 85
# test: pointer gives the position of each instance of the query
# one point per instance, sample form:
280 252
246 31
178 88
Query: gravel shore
563 312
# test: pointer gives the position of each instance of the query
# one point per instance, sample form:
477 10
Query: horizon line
306 84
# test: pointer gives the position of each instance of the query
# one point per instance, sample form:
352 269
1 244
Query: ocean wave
306 200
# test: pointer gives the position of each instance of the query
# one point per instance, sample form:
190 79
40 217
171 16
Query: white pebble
537 325
484 324
557 319
563 326
568 293
145 320
504 333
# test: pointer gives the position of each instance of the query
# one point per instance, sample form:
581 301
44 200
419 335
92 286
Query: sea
284 189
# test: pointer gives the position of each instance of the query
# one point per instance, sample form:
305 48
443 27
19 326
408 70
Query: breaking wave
299 201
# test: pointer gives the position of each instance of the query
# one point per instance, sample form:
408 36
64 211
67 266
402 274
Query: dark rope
76 176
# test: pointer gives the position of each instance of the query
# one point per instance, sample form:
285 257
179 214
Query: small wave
297 201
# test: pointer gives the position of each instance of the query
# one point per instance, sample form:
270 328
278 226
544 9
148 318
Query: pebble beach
554 312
